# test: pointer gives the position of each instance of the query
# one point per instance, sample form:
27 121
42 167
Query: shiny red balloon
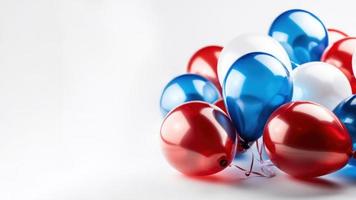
306 140
335 35
198 139
205 62
340 55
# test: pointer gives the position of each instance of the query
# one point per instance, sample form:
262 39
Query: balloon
340 55
335 35
302 35
220 104
255 85
187 87
353 84
306 140
205 62
198 139
321 83
242 146
346 112
354 64
249 43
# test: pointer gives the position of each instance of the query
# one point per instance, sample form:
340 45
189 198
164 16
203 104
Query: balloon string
259 150
266 171
251 166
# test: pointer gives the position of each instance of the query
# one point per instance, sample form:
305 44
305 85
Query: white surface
79 89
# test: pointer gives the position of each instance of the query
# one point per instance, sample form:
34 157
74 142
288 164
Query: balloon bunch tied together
295 87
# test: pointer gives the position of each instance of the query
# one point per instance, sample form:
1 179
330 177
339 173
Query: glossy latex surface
346 112
321 83
306 140
254 87
340 55
205 62
249 43
185 88
198 139
302 35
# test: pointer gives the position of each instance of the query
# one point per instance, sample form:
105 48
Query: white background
79 89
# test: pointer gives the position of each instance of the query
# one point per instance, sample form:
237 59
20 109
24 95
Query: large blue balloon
346 112
187 87
256 85
302 35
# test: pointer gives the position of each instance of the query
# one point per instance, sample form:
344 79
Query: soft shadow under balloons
228 177
284 186
319 182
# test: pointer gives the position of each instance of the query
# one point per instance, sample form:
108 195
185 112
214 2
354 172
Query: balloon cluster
294 86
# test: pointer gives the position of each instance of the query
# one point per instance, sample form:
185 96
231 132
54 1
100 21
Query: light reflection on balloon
302 35
198 139
306 140
255 86
321 83
204 62
185 88
249 43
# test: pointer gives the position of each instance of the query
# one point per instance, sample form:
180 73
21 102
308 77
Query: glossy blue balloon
255 85
346 112
302 35
187 87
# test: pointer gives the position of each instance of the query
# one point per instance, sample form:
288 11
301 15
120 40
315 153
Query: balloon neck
223 162
243 146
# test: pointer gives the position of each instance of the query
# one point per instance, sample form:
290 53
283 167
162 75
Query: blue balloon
187 87
255 85
346 112
302 35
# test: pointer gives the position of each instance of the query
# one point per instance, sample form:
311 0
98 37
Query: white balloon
321 83
248 43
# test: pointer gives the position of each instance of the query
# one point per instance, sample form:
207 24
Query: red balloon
353 84
340 55
306 140
335 35
198 139
205 62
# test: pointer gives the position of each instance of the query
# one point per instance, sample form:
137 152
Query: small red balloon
306 140
198 139
204 62
335 35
